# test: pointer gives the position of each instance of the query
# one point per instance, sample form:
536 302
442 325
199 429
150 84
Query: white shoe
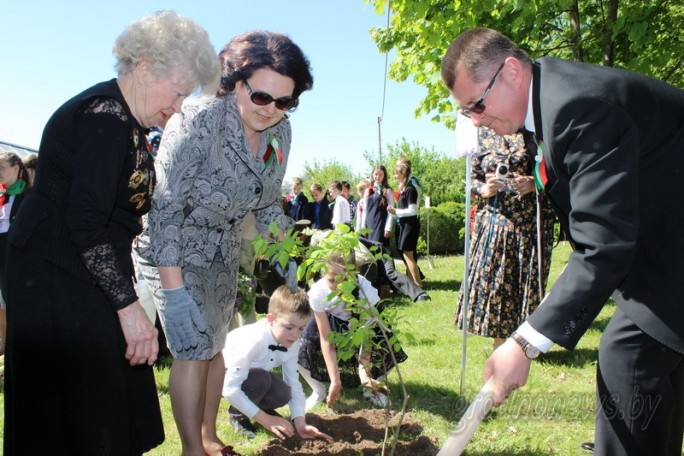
376 398
312 400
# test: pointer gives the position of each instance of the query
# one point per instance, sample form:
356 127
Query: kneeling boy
251 352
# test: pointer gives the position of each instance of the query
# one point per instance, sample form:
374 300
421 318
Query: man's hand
140 334
306 431
509 368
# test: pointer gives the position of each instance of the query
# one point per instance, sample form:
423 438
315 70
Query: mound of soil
361 432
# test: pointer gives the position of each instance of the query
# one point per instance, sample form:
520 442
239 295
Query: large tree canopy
645 36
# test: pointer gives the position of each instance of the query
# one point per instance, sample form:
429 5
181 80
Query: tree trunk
608 45
577 48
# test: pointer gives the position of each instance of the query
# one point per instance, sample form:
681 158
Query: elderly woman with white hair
80 347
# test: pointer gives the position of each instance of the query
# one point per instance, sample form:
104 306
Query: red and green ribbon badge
273 151
540 176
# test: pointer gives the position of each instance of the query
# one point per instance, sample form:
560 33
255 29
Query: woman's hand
391 210
182 319
140 334
492 186
523 184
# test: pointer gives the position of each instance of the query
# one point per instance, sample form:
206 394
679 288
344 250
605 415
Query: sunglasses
263 99
479 107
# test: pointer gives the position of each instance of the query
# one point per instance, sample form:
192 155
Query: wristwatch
530 351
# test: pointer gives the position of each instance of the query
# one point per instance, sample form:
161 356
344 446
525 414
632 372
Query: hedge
447 229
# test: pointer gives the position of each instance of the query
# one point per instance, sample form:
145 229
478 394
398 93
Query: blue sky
51 50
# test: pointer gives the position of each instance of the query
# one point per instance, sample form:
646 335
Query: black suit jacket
324 215
614 151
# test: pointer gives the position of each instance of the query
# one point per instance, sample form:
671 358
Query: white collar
529 118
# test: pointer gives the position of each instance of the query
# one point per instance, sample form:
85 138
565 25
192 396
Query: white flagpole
466 145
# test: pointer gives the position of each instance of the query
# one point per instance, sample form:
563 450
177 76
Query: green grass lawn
551 415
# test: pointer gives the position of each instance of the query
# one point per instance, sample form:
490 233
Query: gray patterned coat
208 181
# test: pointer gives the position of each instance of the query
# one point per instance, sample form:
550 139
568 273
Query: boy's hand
278 425
307 431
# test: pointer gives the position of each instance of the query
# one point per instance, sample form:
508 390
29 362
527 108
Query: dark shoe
423 297
229 451
588 446
242 425
272 412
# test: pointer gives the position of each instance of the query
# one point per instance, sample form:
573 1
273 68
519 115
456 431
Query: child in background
360 216
340 210
251 352
318 356
346 192
296 201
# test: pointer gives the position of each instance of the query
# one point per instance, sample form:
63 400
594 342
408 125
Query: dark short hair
478 52
257 49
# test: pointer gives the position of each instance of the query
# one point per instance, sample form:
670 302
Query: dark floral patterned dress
504 272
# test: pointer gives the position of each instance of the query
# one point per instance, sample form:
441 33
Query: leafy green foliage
366 323
444 223
315 258
646 37
327 171
442 178
289 245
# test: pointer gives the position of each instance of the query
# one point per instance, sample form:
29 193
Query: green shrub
446 223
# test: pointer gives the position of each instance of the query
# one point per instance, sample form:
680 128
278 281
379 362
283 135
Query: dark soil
358 433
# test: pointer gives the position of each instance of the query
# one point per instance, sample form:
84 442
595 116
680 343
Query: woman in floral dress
504 269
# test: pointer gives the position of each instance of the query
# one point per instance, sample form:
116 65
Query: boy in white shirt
251 352
341 212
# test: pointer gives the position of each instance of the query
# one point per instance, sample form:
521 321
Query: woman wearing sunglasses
220 158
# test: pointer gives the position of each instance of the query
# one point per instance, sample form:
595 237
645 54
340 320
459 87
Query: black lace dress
68 387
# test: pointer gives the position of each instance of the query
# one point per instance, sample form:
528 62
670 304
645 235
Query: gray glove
182 319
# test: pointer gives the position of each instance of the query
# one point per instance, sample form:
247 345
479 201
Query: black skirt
311 356
65 366
407 234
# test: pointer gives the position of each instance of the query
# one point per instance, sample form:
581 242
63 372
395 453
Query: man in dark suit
612 144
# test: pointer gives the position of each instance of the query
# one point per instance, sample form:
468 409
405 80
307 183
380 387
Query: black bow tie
277 347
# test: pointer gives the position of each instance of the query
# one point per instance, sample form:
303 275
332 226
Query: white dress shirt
247 348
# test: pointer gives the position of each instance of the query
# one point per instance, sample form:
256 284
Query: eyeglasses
263 99
478 107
